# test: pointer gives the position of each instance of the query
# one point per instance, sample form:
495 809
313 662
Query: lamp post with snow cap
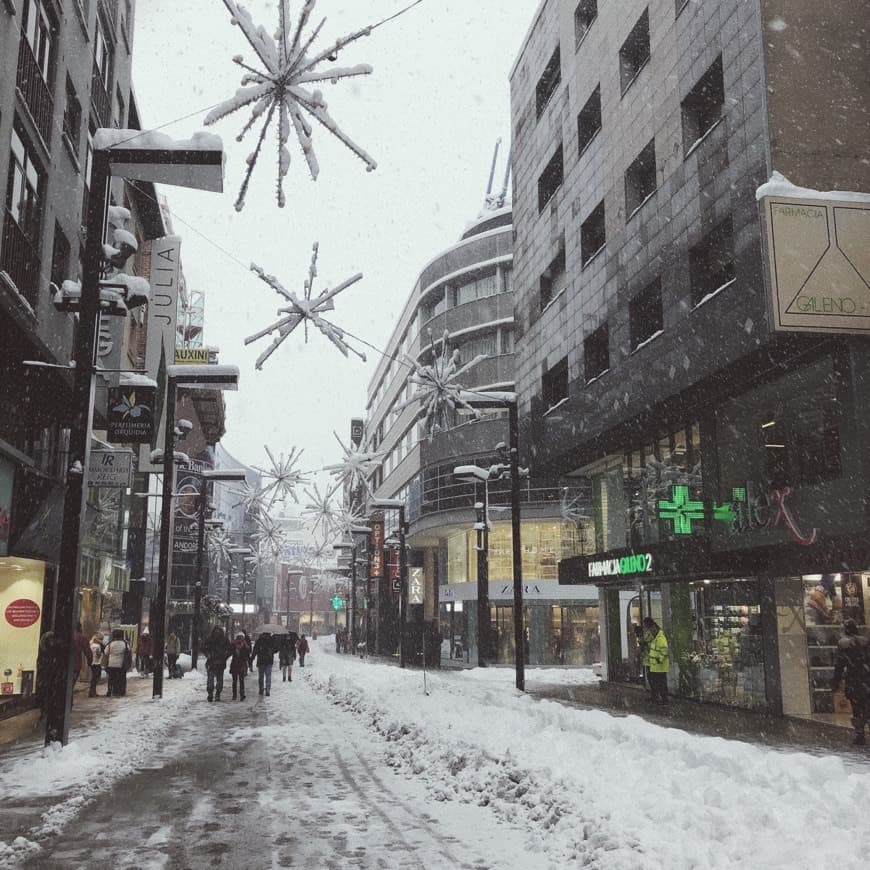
139 156
244 552
196 377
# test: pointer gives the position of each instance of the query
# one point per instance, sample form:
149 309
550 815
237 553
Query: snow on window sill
633 79
585 148
557 405
713 293
594 255
645 200
597 377
71 151
646 341
10 6
698 142
550 303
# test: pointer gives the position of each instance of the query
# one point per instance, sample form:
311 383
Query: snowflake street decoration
279 87
356 466
269 535
305 310
219 546
322 512
346 520
438 390
283 475
253 499
570 508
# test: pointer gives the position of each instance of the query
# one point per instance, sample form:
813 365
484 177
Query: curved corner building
467 291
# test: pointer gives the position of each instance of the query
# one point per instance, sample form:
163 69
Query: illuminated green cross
681 510
337 602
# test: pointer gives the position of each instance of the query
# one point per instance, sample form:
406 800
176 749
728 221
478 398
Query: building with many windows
720 444
463 303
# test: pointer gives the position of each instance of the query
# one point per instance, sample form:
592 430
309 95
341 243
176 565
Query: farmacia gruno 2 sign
636 563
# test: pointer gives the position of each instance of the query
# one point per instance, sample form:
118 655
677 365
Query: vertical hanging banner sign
164 277
376 553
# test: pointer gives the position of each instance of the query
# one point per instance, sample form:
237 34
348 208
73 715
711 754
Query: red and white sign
22 613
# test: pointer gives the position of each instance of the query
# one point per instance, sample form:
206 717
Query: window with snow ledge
634 53
584 14
589 120
548 82
702 106
554 384
711 262
640 179
553 279
592 234
596 353
550 179
645 314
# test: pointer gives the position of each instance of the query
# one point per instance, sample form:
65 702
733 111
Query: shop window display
574 637
726 662
829 599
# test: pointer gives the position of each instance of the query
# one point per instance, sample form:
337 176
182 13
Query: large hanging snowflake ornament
283 476
270 536
305 310
438 388
357 465
219 546
254 500
279 89
322 510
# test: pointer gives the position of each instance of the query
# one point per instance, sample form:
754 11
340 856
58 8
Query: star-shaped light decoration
571 507
305 310
219 546
322 510
284 477
356 466
280 88
438 390
349 519
269 535
253 499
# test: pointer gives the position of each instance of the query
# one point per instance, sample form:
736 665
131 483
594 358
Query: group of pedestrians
244 657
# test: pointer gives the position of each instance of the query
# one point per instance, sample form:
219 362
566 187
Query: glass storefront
575 637
22 585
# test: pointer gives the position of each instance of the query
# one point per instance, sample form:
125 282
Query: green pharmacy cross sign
337 602
682 510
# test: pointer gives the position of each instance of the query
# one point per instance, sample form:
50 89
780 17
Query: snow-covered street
353 765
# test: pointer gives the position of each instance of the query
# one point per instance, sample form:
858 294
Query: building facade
723 461
466 293
64 72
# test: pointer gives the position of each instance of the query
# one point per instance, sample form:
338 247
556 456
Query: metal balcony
20 260
34 91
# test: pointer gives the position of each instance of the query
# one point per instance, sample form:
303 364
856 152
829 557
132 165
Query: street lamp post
204 171
234 551
352 641
297 574
198 377
509 400
398 505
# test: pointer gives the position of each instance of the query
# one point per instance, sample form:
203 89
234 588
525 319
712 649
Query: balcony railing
109 8
20 260
34 91
100 98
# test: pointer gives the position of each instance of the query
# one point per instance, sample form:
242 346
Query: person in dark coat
119 661
239 664
301 650
264 657
217 650
144 651
853 660
286 654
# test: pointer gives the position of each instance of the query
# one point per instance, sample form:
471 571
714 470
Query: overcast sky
429 114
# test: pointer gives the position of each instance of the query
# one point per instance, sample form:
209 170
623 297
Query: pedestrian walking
301 649
286 654
264 656
97 649
81 653
119 658
173 649
144 651
853 660
239 664
250 650
217 650
659 660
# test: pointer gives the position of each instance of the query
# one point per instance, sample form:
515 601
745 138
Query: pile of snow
591 788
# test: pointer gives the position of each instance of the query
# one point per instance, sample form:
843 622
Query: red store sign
22 613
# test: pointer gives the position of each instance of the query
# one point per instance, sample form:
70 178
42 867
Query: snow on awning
779 185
